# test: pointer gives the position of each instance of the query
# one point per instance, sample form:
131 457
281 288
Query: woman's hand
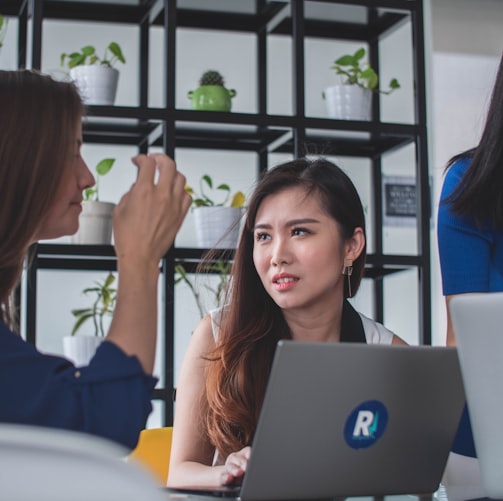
149 215
235 467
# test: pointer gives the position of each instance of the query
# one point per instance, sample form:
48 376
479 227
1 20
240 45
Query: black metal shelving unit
142 126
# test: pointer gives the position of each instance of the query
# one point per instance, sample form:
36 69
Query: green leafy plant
3 29
88 56
211 77
357 72
102 168
103 306
221 268
203 199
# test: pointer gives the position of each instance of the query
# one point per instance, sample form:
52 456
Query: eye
298 232
262 236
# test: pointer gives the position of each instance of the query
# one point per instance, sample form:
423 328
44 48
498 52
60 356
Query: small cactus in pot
211 95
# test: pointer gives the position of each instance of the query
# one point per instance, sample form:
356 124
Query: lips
284 281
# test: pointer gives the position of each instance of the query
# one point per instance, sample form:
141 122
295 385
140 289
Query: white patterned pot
80 348
95 224
348 102
97 84
217 227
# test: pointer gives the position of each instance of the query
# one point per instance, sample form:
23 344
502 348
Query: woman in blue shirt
470 225
43 176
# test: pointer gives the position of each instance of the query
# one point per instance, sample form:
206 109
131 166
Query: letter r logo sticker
365 424
364 420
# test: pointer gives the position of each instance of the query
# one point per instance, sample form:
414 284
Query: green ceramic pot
212 98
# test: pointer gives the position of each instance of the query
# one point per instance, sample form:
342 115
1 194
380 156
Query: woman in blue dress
470 226
43 176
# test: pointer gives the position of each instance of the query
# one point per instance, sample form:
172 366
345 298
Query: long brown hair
37 134
239 369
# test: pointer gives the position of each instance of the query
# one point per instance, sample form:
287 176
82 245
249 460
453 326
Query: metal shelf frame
367 21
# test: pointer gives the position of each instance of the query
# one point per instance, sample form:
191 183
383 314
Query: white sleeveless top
375 333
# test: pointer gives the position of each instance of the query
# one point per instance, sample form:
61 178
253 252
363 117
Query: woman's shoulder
216 316
454 174
376 333
204 336
9 341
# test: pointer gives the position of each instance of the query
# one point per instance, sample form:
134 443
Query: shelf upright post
262 155
423 202
298 67
35 12
22 36
31 294
168 263
143 76
376 168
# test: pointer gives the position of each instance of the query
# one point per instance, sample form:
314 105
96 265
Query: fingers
148 217
169 179
152 163
235 466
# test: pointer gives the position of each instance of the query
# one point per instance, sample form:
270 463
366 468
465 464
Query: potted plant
217 223
3 29
352 99
211 94
95 221
95 76
220 268
80 349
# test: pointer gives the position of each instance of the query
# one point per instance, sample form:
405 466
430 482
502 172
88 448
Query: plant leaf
116 51
104 166
88 50
346 60
238 199
79 322
359 54
394 84
207 179
90 194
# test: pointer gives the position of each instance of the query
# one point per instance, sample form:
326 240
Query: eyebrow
293 222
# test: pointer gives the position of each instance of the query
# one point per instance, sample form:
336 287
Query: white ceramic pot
348 102
95 224
97 84
217 227
80 349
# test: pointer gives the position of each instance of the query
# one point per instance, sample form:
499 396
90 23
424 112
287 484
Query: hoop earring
347 270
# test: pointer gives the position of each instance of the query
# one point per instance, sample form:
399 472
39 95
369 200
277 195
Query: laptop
478 325
347 419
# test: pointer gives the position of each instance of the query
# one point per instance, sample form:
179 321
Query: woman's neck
315 326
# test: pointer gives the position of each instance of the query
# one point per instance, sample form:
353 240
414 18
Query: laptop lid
478 326
343 419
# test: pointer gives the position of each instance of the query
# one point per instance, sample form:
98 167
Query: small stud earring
347 270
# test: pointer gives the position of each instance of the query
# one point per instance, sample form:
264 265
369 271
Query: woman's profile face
298 251
62 217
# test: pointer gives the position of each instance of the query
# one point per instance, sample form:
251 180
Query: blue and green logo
366 424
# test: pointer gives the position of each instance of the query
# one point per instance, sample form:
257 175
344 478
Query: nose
85 177
280 252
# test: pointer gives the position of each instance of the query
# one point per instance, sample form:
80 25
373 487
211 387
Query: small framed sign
399 200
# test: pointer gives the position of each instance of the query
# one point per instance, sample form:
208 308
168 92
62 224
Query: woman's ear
354 245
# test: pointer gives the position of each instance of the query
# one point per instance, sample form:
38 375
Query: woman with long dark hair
470 233
300 256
